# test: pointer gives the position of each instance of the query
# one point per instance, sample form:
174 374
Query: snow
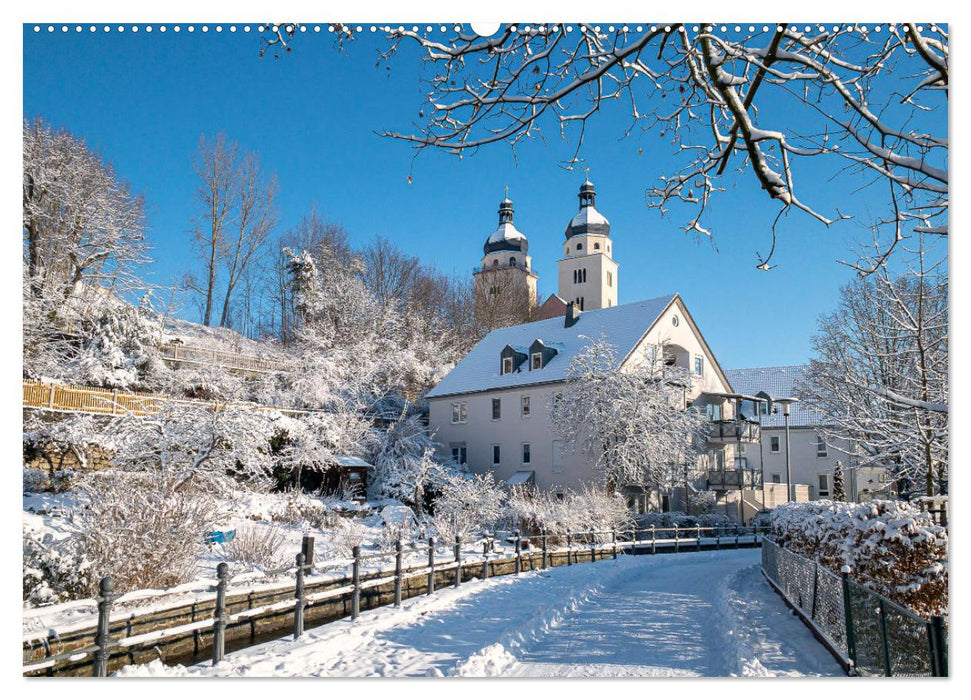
623 325
693 614
588 215
508 233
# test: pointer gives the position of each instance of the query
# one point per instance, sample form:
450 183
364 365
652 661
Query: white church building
491 412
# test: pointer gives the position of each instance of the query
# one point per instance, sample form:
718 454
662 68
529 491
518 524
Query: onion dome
506 236
588 220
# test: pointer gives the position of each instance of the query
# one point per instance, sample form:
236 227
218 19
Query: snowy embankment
690 614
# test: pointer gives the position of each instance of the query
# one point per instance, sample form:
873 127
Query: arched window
583 275
566 250
512 262
495 263
574 277
581 303
596 246
579 246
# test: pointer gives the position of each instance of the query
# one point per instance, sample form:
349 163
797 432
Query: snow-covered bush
702 502
39 480
260 547
681 519
299 508
891 546
467 504
531 511
139 532
404 462
399 523
54 571
347 534
120 348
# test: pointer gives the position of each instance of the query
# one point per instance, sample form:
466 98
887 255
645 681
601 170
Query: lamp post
786 403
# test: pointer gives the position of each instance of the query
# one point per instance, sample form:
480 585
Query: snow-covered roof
588 215
506 234
350 461
778 383
623 326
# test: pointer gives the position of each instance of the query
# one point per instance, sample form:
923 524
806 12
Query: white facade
587 270
461 407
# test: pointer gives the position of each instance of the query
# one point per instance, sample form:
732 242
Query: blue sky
143 100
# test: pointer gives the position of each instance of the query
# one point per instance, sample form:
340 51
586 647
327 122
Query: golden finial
507 191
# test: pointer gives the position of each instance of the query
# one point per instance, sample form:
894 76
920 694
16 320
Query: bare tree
880 377
218 173
389 272
868 100
255 216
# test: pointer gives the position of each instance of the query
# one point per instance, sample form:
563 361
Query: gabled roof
624 326
778 383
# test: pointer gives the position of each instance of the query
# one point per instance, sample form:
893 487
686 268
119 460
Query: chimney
572 315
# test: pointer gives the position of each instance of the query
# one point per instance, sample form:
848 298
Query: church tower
587 271
505 285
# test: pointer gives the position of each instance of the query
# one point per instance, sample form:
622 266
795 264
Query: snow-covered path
692 614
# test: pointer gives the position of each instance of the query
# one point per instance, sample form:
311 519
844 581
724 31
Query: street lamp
786 403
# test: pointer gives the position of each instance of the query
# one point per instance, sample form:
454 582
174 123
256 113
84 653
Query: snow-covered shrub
530 511
680 519
140 532
120 348
299 508
467 504
404 462
346 534
260 547
54 570
702 502
399 523
891 546
39 480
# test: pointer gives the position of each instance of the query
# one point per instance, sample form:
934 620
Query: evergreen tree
839 491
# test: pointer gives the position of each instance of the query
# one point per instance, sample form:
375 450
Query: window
536 361
596 246
496 409
557 456
610 279
507 365
512 262
526 455
496 454
699 365
823 485
459 453
495 263
741 448
581 303
458 412
774 443
566 251
821 450
741 463
525 406
579 246
713 411
776 478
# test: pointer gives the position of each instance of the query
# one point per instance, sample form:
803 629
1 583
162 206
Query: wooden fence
188 632
190 354
86 399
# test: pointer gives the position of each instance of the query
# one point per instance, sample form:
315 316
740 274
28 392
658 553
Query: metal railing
740 429
512 550
870 634
735 479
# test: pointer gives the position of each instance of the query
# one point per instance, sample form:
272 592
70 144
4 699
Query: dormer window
536 361
507 365
540 354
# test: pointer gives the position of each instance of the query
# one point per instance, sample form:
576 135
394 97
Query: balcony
740 430
725 479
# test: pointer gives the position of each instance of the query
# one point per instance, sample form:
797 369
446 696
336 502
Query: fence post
697 538
356 582
569 548
887 670
103 638
485 560
718 537
633 539
848 615
519 553
677 542
736 535
940 645
397 572
458 560
307 547
815 589
653 540
431 565
593 546
613 539
546 560
298 594
219 616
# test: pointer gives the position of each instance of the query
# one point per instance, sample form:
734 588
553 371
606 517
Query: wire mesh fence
872 635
